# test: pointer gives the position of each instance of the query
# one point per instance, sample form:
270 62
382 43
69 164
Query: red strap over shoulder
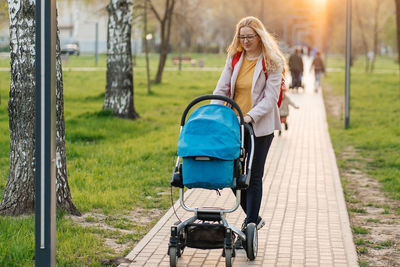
281 92
281 88
235 59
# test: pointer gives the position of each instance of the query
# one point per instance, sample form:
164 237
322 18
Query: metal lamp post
348 58
45 143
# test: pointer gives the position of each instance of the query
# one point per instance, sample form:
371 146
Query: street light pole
348 58
45 132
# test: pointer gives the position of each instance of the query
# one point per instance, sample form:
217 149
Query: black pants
296 79
251 198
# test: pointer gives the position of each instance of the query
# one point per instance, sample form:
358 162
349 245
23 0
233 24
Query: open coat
264 94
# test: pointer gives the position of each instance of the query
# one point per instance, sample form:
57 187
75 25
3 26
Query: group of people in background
296 67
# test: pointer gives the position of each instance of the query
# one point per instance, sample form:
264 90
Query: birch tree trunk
63 193
119 87
19 195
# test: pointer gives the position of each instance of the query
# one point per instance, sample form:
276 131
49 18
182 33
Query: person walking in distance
257 94
296 69
319 68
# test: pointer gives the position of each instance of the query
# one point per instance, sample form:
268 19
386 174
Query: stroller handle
212 97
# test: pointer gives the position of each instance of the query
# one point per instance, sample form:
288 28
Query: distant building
77 24
4 35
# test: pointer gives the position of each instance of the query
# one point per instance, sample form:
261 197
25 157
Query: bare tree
165 32
19 195
397 2
146 46
361 27
378 4
119 87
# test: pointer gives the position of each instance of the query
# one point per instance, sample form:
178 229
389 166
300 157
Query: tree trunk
163 59
375 40
146 47
63 193
165 24
19 195
398 29
376 33
119 88
363 37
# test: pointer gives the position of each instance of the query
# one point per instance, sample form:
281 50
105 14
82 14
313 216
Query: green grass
210 60
384 244
374 131
17 241
114 165
364 264
373 220
381 63
359 230
358 210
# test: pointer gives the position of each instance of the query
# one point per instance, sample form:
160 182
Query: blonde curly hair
273 57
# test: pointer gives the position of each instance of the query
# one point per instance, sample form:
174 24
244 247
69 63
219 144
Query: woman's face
249 39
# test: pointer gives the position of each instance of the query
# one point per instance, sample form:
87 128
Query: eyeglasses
248 37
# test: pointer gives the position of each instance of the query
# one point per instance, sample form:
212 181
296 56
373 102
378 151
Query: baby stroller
212 155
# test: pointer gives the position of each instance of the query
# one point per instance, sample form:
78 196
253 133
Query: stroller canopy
211 131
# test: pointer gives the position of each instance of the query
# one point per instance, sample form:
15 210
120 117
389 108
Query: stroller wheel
173 256
228 257
251 241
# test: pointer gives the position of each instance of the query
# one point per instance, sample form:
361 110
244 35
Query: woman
257 97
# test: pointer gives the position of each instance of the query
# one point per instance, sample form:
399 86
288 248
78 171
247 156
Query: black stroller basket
230 168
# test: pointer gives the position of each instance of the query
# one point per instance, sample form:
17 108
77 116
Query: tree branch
166 11
154 11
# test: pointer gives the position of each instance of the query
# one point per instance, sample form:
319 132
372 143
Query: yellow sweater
243 84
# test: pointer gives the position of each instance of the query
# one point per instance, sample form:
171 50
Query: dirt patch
136 223
374 217
374 220
333 103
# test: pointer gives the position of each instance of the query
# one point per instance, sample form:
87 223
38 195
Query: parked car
70 49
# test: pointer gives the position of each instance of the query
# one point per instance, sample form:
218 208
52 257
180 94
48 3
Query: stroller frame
182 232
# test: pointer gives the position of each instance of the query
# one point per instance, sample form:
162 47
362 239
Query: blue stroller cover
211 131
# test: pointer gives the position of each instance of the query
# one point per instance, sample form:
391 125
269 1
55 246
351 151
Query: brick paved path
303 205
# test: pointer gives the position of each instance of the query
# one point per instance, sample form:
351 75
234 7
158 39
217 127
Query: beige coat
264 94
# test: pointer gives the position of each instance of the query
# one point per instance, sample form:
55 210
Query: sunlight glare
320 2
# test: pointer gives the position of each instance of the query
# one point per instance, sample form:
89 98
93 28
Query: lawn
374 132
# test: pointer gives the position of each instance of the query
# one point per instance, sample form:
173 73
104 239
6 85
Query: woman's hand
248 119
